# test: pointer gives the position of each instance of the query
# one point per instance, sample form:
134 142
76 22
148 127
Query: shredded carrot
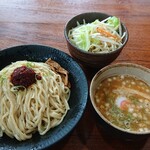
108 34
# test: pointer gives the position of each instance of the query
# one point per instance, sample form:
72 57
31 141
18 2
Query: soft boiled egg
122 102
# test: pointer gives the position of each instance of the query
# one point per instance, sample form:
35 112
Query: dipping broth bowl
127 89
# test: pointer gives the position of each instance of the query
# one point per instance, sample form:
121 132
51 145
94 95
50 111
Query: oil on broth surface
125 101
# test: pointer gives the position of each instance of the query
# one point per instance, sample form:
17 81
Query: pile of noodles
37 108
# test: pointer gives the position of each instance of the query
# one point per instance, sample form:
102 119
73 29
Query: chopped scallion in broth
125 101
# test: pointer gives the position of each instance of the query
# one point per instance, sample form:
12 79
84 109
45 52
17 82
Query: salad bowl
84 56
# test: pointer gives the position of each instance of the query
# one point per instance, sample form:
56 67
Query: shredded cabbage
99 36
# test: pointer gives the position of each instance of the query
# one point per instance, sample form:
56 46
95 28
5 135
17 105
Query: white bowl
118 69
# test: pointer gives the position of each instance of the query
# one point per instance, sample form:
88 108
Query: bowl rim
94 105
91 53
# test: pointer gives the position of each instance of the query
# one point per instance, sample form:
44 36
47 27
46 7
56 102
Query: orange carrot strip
108 34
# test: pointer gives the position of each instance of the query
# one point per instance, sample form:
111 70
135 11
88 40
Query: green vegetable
3 77
81 37
30 64
114 22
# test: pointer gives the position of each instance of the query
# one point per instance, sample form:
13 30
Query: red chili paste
24 76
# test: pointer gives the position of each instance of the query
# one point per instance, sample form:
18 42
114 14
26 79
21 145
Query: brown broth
125 101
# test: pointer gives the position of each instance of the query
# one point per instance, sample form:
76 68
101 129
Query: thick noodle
39 107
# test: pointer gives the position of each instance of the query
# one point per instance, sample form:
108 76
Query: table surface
43 21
